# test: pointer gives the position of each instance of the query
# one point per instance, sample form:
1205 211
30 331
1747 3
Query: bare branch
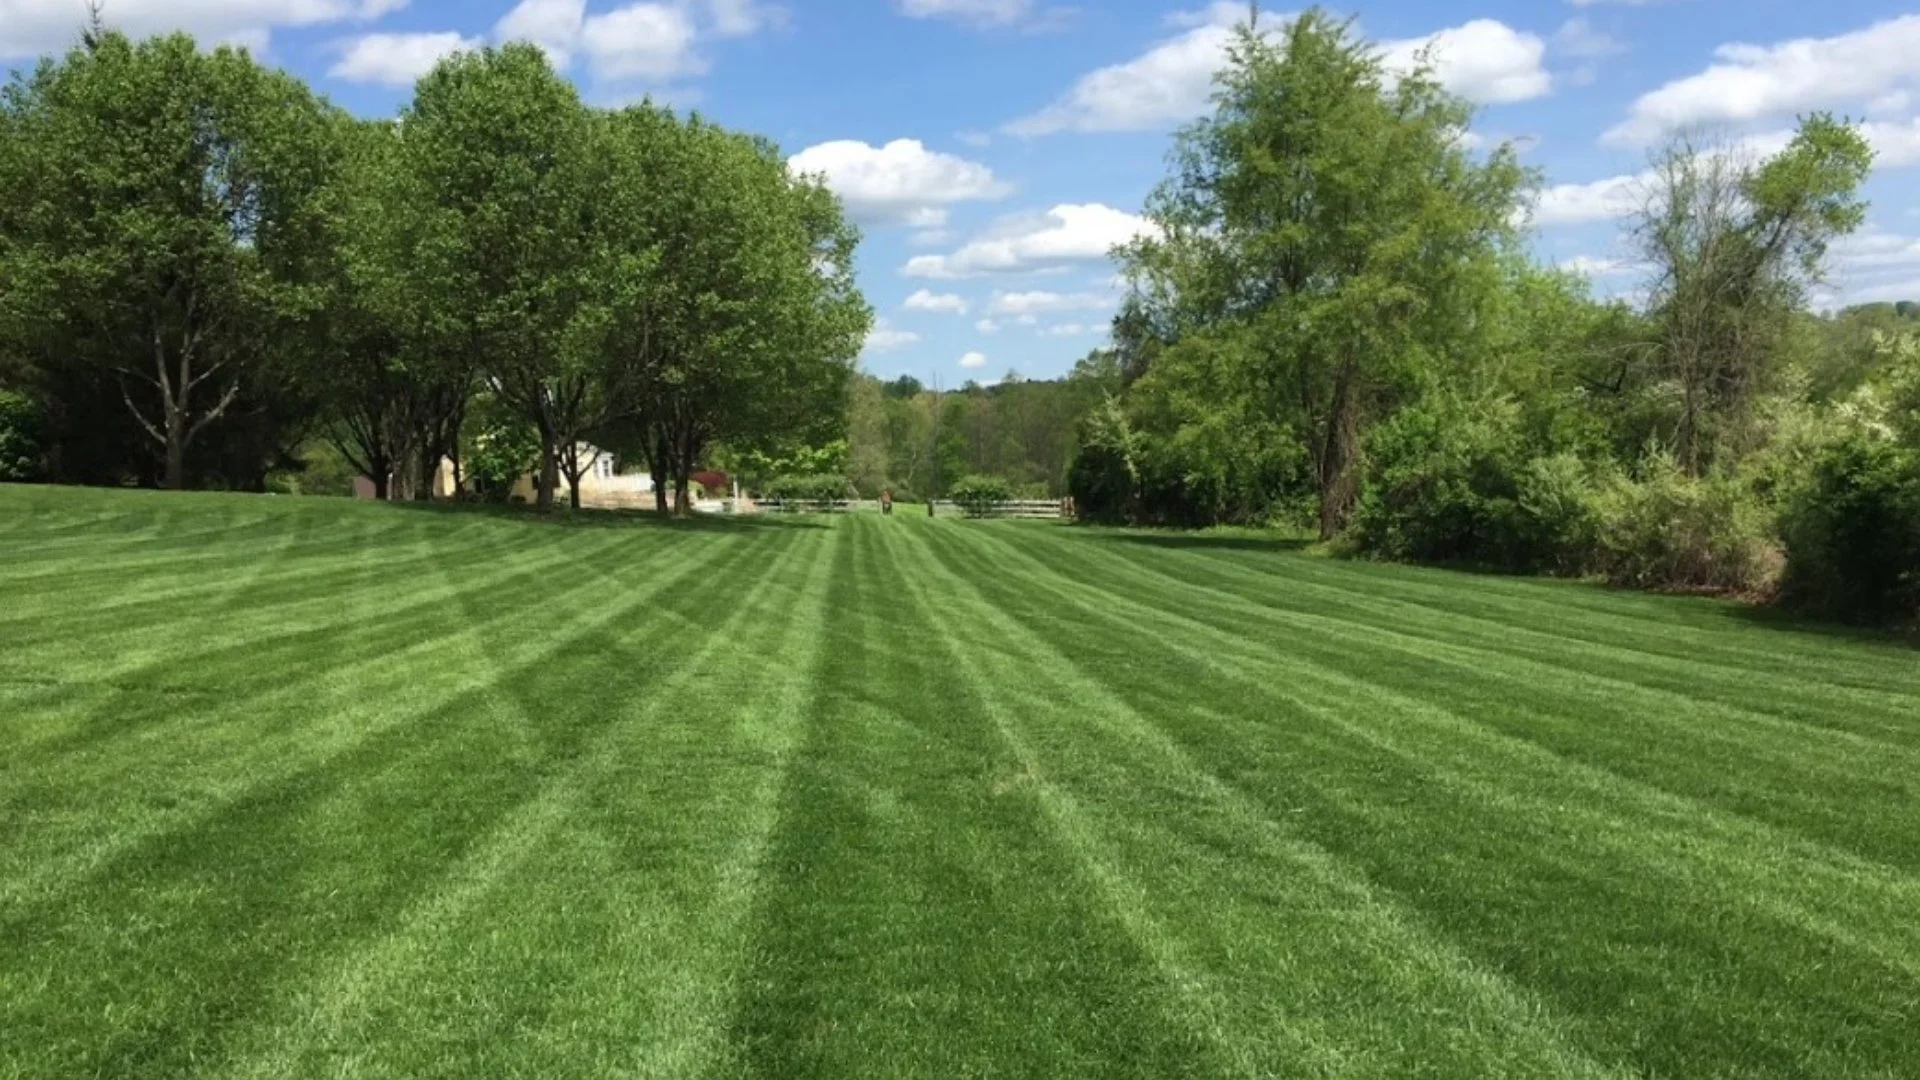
219 409
137 415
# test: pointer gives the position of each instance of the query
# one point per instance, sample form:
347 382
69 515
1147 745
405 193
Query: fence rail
1036 509
1010 508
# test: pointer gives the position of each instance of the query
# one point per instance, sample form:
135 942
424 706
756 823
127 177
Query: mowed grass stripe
1717 633
1696 665
1805 877
287 623
242 729
1798 953
616 870
305 787
1787 774
1217 865
368 826
916 920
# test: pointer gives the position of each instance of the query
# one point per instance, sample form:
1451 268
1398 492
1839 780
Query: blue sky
993 149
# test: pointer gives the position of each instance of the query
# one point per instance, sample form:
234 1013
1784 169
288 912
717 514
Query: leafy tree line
1335 324
205 267
920 443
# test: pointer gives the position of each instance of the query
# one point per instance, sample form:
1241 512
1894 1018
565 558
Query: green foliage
808 488
1105 477
20 439
160 230
1443 486
1666 529
1328 230
498 448
1852 533
319 469
1557 528
979 494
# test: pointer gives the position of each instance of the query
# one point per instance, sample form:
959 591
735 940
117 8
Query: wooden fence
1013 508
1017 508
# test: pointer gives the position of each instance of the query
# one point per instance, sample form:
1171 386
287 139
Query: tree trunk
681 505
549 476
382 484
657 467
175 477
429 473
1339 487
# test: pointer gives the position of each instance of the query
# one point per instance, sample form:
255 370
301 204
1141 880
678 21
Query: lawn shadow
589 518
1178 541
1787 621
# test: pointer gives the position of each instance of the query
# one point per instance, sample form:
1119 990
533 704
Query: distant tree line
919 442
209 274
1335 324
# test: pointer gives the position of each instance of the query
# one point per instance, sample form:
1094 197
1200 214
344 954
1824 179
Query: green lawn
303 788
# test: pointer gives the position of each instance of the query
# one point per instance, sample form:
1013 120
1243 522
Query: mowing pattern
303 788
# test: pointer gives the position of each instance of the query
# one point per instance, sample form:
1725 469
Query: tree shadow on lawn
563 517
1178 541
1745 611
1791 622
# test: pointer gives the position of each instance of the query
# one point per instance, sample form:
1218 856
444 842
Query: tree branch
219 409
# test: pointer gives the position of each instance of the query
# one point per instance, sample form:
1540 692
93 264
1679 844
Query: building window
604 468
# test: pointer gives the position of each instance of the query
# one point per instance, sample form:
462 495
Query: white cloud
396 59
30 28
987 326
1752 82
1875 265
645 42
1897 101
1167 84
554 25
973 360
741 18
885 337
1593 266
941 303
1065 235
978 12
1041 302
975 139
1597 200
653 41
1066 330
1578 38
1484 60
1895 146
902 182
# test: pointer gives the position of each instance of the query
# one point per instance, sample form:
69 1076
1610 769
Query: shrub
19 439
1668 530
1447 483
1557 522
1852 533
808 488
1104 478
978 494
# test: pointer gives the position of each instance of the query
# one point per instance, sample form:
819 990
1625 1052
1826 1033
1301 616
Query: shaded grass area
299 788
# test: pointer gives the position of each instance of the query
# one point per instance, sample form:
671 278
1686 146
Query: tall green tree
754 330
1328 217
1735 246
501 146
162 225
